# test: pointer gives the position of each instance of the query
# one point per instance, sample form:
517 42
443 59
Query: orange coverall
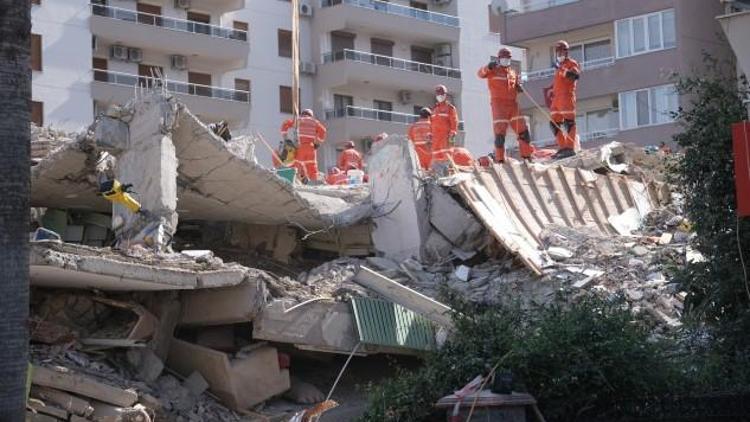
349 159
503 83
462 157
444 126
310 133
563 109
420 133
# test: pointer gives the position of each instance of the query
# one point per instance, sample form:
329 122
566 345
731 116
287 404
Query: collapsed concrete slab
240 382
515 201
228 305
62 265
399 200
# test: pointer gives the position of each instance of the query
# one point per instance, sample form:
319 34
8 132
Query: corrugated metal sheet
384 323
516 200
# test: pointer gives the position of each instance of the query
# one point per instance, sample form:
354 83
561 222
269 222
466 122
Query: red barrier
741 143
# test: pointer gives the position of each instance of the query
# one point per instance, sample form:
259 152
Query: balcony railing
393 63
534 5
399 10
375 114
126 79
547 73
594 135
141 18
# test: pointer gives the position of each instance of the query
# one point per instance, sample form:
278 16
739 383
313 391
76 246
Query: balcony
608 76
360 122
208 102
219 5
383 17
169 35
599 136
342 67
549 18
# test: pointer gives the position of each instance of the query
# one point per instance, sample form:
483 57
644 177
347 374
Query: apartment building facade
367 65
630 52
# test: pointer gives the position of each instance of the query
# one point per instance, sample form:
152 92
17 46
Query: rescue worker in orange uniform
563 106
462 157
420 133
310 135
504 85
444 125
350 158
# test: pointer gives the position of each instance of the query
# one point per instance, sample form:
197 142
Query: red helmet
441 90
348 144
562 45
504 53
307 112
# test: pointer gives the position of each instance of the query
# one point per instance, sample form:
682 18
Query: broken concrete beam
69 402
63 379
323 325
345 241
278 241
404 296
39 417
43 408
105 412
239 383
146 324
399 200
453 221
436 248
224 306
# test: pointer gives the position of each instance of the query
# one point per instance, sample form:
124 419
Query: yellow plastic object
114 191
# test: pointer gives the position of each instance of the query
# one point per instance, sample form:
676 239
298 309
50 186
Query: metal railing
399 10
126 79
534 5
547 73
182 25
594 135
392 62
375 114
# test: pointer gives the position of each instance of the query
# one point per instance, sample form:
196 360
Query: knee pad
525 136
569 124
499 141
555 128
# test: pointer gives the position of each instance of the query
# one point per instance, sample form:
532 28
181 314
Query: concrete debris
559 254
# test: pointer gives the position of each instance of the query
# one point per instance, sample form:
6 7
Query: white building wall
64 83
476 46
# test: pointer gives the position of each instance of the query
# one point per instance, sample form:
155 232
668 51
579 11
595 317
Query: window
200 84
242 85
285 43
242 26
341 104
147 12
590 51
650 106
37 113
381 47
285 100
386 107
36 52
199 17
418 5
148 74
645 33
100 69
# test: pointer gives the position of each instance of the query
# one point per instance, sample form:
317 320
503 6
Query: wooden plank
82 385
530 207
48 410
404 296
537 194
584 187
518 215
571 197
69 402
39 417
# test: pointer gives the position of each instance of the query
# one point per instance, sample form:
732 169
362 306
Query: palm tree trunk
15 94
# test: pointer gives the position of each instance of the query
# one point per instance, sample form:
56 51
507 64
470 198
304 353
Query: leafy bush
570 359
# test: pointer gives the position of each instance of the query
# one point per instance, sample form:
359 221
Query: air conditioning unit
182 4
305 8
307 68
135 55
444 61
444 49
118 52
179 62
404 97
500 7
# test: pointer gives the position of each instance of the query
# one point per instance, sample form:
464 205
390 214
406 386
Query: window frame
651 93
646 33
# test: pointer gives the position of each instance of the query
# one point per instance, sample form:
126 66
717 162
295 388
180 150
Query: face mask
560 59
440 98
504 62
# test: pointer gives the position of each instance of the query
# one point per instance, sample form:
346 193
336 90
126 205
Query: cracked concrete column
146 159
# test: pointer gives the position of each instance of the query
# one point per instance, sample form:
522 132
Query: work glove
571 75
316 145
452 139
519 88
492 65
